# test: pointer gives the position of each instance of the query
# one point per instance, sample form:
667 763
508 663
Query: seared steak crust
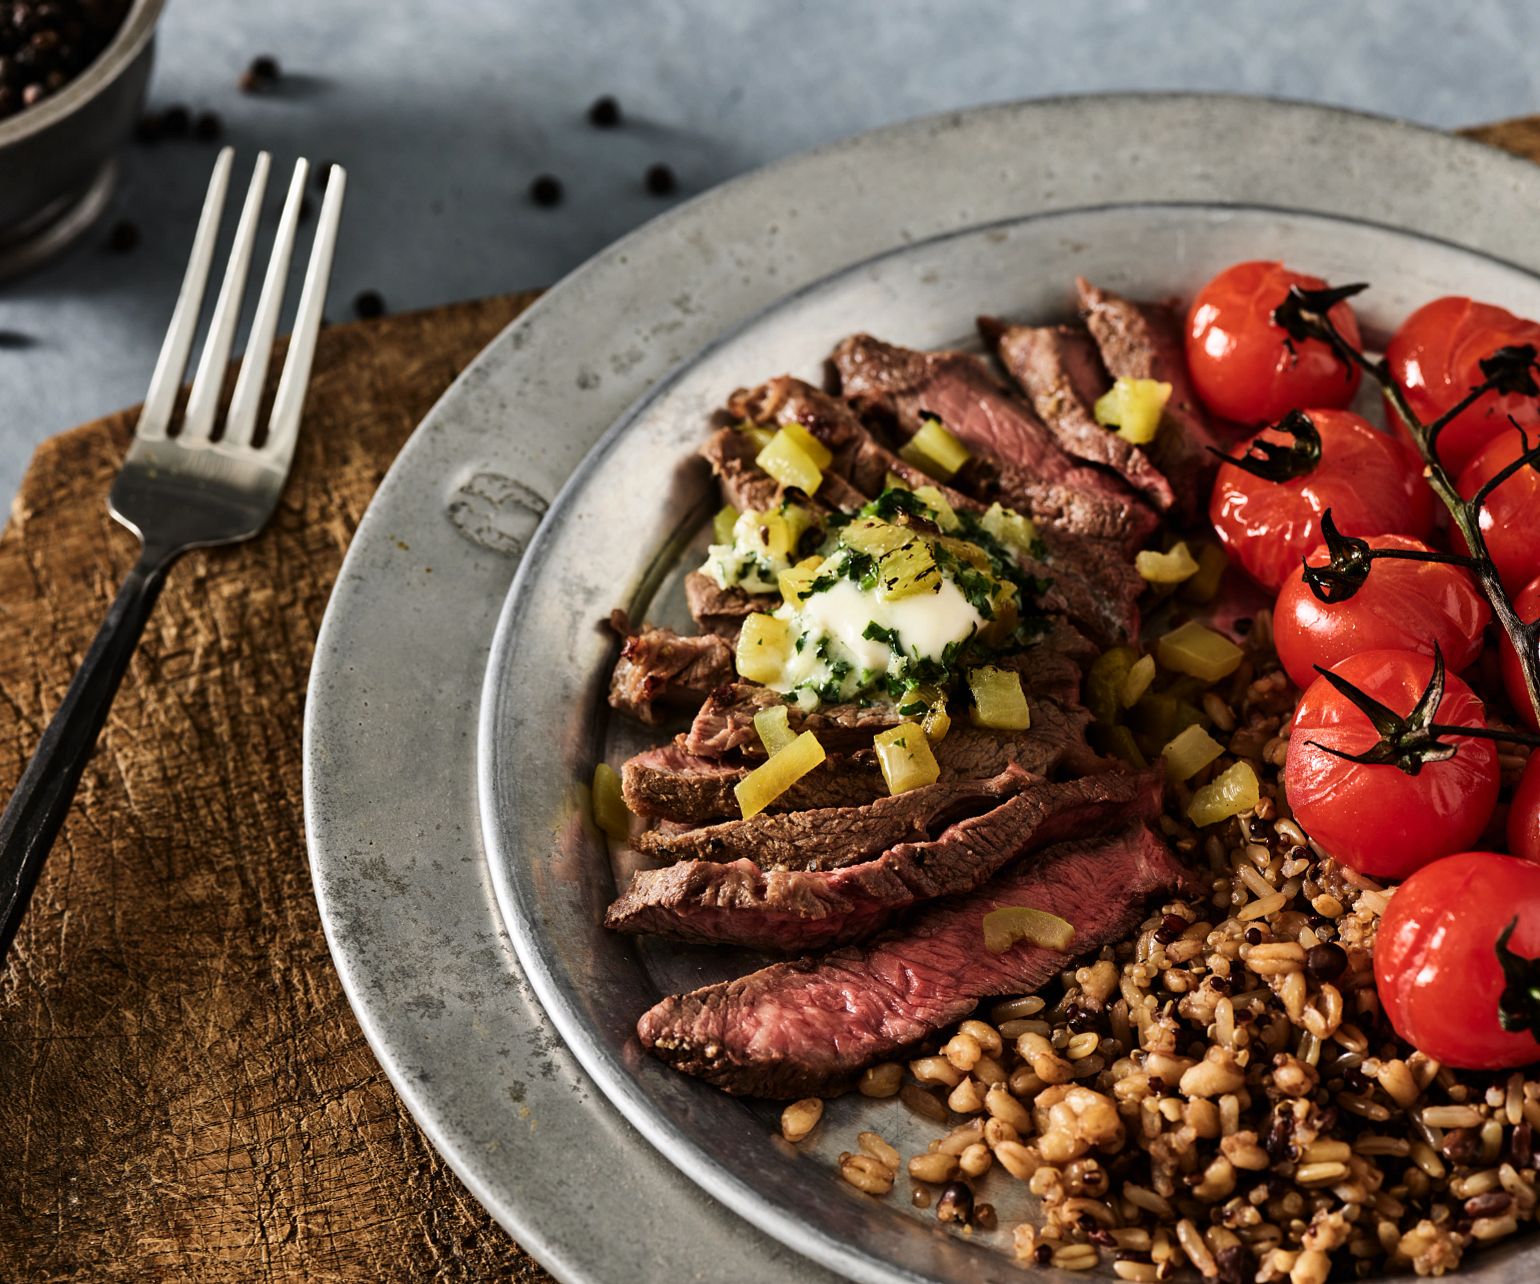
792 911
810 1026
658 667
721 610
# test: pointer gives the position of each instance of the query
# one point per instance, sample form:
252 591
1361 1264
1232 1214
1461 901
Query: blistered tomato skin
1244 365
1527 603
1371 482
1507 516
1435 958
1402 604
1376 818
1436 358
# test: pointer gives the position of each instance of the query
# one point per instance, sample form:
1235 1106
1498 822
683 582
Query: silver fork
191 490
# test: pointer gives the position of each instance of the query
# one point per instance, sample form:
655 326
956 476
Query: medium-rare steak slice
721 610
658 667
810 1026
674 784
1035 475
794 911
831 837
1144 341
731 456
1060 371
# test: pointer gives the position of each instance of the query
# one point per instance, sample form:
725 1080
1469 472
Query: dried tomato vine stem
1304 314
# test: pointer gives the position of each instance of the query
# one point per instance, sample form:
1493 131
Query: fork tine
241 418
283 424
155 418
203 400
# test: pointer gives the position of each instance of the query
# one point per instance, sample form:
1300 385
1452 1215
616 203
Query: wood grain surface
184 1093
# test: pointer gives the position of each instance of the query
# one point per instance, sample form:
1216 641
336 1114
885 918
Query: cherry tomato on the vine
1245 365
1376 817
1401 604
1526 603
1524 814
1371 482
1436 358
1507 517
1436 964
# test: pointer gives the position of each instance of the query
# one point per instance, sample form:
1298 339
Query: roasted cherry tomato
1436 961
1524 815
1400 605
1244 364
1508 515
1371 482
1436 358
1527 603
1375 817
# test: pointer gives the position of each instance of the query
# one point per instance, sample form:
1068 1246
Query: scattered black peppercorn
45 44
546 190
1253 936
208 126
660 180
604 113
176 121
1171 927
123 237
368 304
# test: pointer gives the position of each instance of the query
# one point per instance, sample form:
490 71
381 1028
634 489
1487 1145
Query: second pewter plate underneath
627 527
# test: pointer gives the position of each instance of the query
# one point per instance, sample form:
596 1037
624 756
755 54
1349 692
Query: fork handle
37 809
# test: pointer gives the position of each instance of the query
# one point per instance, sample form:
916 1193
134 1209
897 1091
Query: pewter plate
407 880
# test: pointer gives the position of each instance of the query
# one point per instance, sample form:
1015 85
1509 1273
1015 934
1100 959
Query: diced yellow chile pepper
1104 682
935 451
933 499
907 570
1229 794
1166 568
936 724
966 551
1204 586
874 536
796 580
904 755
1120 740
774 728
763 646
1010 527
1006 926
722 525
789 464
1198 651
814 449
757 433
778 773
998 700
1189 752
1159 716
610 811
1137 681
1134 408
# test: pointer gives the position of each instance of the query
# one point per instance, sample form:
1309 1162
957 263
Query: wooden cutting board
183 1090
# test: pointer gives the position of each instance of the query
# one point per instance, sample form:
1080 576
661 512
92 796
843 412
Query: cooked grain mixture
1221 1090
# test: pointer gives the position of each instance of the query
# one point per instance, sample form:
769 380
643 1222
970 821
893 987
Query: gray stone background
443 113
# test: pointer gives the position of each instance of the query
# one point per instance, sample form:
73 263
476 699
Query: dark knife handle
37 809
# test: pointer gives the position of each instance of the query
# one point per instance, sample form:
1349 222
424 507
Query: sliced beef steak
832 837
1144 341
731 456
674 784
658 668
721 610
1034 474
794 911
1060 371
725 723
810 1026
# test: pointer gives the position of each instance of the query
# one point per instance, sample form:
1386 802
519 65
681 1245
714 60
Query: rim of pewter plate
391 806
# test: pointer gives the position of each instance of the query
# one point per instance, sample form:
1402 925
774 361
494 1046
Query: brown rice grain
1141 1272
923 1103
1451 1117
1027 1006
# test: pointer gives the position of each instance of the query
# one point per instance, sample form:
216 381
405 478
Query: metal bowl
58 160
